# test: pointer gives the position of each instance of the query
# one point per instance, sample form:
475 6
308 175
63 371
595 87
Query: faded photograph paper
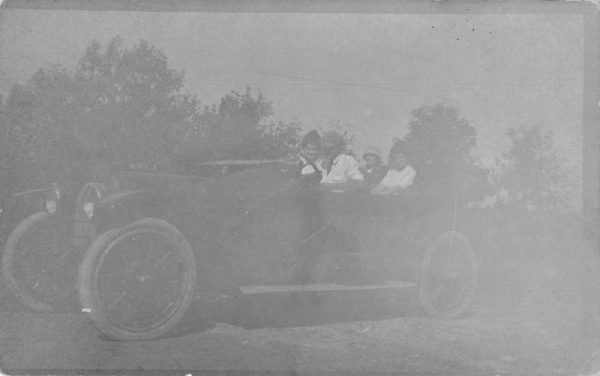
336 187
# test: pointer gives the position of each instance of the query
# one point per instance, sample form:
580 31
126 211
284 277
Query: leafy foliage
240 128
119 107
531 175
126 107
345 134
441 145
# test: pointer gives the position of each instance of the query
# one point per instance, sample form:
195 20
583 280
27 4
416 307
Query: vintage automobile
16 206
43 252
163 240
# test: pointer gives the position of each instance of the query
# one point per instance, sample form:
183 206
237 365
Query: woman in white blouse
400 174
338 167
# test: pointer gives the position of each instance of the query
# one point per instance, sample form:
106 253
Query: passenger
400 174
338 167
312 220
309 150
373 169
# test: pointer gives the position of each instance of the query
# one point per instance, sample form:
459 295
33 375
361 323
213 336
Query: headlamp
90 193
52 198
51 206
88 209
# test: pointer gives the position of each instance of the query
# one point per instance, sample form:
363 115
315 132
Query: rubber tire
8 258
467 301
87 286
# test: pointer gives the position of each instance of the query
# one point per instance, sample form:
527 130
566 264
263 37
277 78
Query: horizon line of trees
125 106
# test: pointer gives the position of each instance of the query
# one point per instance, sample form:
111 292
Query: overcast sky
366 70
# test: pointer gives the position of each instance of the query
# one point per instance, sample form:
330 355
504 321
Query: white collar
399 171
337 158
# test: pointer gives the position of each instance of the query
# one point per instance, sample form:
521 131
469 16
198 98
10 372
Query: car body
42 251
253 219
259 230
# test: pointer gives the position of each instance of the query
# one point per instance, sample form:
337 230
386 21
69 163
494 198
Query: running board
323 287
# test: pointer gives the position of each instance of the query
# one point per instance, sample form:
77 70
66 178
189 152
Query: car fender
475 224
118 198
120 208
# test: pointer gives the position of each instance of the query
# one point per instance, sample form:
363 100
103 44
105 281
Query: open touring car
157 240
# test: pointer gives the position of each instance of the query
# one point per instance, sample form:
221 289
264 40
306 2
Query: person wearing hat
309 150
338 167
400 174
312 220
373 169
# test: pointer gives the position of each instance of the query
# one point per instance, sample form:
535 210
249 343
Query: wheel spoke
152 249
159 261
149 281
36 277
450 297
436 294
40 266
449 276
67 253
115 301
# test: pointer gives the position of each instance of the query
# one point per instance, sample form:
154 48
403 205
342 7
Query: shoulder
410 170
347 158
321 164
308 169
391 173
381 169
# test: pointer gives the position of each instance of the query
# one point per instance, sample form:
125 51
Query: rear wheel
136 283
39 263
449 275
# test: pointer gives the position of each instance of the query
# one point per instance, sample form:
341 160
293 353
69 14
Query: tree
345 134
126 107
441 145
119 107
281 139
240 128
530 174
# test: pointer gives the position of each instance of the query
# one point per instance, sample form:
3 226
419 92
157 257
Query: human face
330 150
310 151
398 161
371 160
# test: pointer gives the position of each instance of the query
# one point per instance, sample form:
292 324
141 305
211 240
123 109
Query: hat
312 137
333 138
372 150
400 146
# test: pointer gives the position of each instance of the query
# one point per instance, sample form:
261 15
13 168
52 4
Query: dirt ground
536 315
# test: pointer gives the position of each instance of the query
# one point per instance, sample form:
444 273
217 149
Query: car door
261 237
374 223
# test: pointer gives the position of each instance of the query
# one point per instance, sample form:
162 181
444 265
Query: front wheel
38 263
137 282
449 275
